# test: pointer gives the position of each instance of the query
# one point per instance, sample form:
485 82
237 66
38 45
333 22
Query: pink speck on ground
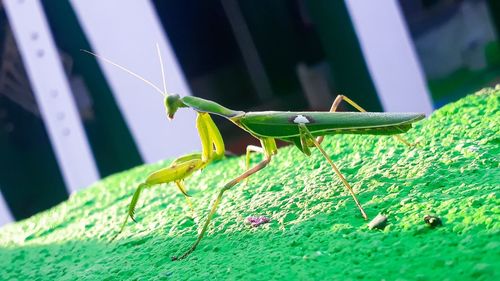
257 221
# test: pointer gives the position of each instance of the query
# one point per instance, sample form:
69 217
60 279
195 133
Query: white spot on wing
300 119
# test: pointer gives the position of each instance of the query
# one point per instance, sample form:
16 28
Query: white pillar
5 216
127 32
53 95
390 56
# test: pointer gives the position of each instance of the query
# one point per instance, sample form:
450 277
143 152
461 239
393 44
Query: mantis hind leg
341 98
309 138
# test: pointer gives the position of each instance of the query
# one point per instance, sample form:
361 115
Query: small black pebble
432 221
167 274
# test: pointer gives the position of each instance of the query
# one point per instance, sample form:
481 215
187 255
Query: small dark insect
379 222
257 221
432 221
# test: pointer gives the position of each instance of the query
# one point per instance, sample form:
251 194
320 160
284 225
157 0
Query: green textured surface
316 231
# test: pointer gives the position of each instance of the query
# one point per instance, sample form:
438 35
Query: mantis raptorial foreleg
184 166
182 189
308 136
336 104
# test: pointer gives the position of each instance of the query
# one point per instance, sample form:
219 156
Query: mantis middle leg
184 166
250 149
269 148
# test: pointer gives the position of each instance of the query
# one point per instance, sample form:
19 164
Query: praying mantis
305 130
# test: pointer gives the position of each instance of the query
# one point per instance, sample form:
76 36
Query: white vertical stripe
52 93
390 56
126 32
5 216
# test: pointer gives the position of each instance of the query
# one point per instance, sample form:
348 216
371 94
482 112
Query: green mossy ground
315 233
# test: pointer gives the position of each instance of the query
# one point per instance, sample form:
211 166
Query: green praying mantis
305 130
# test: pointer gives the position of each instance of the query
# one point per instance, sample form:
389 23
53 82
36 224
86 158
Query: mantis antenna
162 71
129 71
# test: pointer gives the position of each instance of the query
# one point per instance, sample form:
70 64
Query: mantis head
172 103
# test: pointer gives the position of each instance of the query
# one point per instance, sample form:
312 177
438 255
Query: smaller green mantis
304 129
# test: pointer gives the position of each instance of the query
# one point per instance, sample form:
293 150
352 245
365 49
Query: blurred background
67 120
